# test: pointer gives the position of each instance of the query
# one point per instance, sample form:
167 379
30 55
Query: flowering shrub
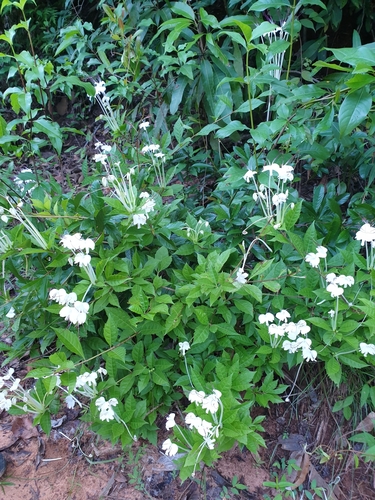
184 275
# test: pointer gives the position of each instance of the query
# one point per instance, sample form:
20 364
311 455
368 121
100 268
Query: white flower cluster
74 310
206 429
105 408
272 200
15 395
335 283
121 186
296 333
104 103
366 235
78 245
314 258
367 349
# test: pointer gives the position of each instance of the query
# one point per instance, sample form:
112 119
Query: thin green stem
291 40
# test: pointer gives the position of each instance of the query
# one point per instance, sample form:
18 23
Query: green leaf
231 128
262 5
138 352
200 334
334 371
52 130
110 331
70 341
320 323
292 215
184 10
354 110
352 360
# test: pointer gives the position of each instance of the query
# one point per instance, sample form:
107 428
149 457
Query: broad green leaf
320 323
292 215
262 29
354 110
52 130
352 360
183 9
357 56
70 340
318 197
231 128
208 129
246 30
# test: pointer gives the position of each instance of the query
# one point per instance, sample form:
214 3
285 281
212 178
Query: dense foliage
222 234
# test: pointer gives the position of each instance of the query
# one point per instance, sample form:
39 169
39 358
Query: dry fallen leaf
303 461
367 424
22 427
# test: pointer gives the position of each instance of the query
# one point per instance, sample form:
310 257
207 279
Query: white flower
273 167
144 125
241 276
344 281
99 88
71 242
58 295
266 318
196 397
139 220
203 427
101 371
170 421
100 158
70 298
82 259
283 315
290 346
321 252
183 347
170 448
292 330
367 348
210 442
76 314
153 147
5 403
159 155
335 290
312 259
331 313
190 420
211 402
105 408
285 173
276 330
86 378
366 234
11 313
16 383
279 199
309 354
331 278
302 327
148 206
144 195
249 175
87 244
4 218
